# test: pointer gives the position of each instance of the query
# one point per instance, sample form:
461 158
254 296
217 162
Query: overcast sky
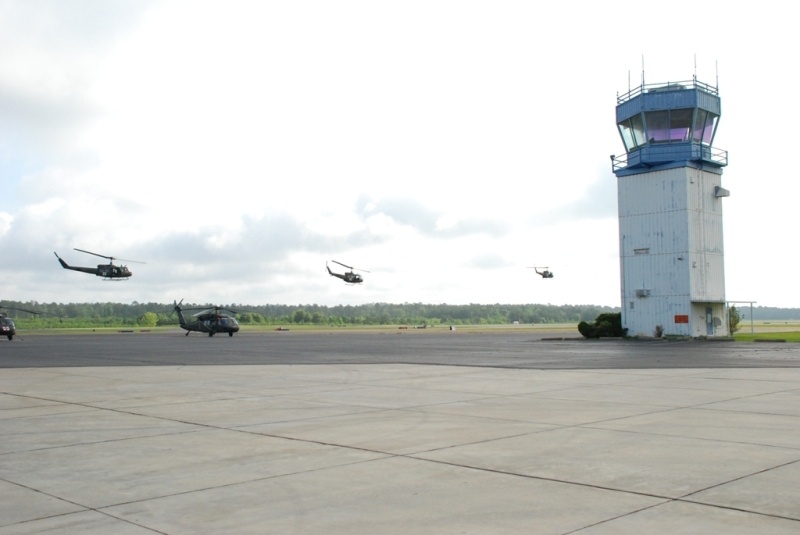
444 146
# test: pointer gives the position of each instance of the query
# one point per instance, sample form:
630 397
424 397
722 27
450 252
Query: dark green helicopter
7 327
350 277
545 273
209 320
107 271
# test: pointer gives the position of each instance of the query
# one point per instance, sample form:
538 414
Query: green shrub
586 330
733 319
607 325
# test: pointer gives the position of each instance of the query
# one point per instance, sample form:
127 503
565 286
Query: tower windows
633 132
668 126
704 126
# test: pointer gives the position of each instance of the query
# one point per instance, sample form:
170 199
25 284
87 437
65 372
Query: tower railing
651 155
666 86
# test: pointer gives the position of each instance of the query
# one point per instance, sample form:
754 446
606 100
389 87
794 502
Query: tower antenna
642 72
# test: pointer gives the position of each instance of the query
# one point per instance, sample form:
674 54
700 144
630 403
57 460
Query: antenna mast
642 72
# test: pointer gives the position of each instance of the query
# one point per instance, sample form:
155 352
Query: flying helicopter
7 327
545 273
209 320
350 277
107 271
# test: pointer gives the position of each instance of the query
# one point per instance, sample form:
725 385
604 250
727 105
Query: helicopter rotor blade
218 309
214 309
95 254
110 258
20 310
349 267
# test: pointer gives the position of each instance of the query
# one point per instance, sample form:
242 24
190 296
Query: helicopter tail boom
67 266
63 264
177 308
334 274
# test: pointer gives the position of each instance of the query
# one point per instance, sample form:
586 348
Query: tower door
709 321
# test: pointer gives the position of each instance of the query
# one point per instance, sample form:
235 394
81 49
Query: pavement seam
84 508
667 499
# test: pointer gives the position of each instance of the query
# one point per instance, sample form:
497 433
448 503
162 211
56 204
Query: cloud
596 201
236 149
432 223
50 51
489 262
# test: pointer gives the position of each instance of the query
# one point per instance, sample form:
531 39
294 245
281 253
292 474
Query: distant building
669 186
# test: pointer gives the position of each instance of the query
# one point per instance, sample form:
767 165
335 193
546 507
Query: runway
508 348
396 433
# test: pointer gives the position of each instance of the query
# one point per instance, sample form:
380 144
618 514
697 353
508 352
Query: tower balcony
666 155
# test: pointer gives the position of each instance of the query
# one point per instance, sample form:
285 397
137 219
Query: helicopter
7 327
545 273
350 277
209 320
107 271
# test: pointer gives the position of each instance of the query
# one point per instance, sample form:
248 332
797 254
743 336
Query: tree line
161 314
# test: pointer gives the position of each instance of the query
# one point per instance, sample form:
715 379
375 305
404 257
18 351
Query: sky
442 146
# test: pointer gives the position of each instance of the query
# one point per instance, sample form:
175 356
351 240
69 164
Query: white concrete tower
670 211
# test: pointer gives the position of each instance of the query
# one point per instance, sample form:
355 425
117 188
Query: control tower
669 187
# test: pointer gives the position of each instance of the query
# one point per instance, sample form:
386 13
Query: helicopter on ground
7 327
107 271
545 273
350 277
209 320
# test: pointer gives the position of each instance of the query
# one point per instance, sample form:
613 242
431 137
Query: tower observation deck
668 125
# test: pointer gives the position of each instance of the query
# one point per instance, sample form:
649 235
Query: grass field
788 331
